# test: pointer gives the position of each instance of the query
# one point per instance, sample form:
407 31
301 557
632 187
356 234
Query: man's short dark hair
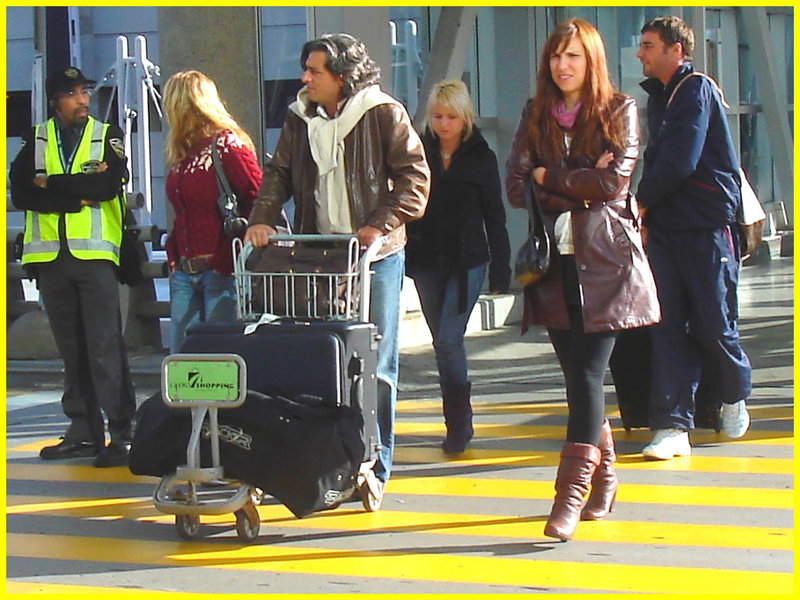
672 30
346 57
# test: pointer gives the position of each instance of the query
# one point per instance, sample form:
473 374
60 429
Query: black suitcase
630 370
333 360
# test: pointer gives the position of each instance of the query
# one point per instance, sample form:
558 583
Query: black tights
584 359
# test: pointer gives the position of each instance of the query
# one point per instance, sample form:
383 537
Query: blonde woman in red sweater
198 251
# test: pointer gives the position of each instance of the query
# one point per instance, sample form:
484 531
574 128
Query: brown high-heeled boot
604 483
575 470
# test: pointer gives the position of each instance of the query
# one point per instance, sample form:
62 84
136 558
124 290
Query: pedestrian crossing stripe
418 563
507 526
25 587
643 436
532 458
470 487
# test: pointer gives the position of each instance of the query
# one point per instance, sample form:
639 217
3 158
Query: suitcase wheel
188 526
248 522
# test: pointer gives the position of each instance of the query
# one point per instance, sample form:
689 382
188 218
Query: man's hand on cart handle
367 235
258 235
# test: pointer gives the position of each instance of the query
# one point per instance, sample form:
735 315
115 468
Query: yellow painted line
557 432
72 472
23 587
484 408
628 492
84 507
348 518
560 408
533 458
520 527
743 497
406 565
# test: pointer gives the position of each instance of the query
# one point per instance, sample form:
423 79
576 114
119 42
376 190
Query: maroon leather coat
617 286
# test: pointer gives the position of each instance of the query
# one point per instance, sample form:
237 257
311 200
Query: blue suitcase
332 360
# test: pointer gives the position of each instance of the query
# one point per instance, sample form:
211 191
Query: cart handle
364 263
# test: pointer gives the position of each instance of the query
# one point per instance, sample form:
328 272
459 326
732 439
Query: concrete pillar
516 62
186 40
448 52
368 24
773 98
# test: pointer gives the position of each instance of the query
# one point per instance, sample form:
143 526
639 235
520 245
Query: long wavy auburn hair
194 112
595 127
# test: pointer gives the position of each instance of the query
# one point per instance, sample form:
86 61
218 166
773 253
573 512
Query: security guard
68 177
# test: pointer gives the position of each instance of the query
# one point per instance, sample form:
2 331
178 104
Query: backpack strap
699 74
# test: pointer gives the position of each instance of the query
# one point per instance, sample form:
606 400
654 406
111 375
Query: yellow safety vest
93 233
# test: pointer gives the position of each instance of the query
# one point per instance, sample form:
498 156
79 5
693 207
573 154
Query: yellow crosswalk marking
757 412
628 492
556 432
473 456
407 564
514 526
23 587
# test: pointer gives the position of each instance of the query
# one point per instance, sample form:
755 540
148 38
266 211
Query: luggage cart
279 296
205 383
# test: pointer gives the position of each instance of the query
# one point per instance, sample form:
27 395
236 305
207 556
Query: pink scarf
566 118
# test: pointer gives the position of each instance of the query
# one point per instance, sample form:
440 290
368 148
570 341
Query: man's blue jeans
439 297
384 310
207 296
697 273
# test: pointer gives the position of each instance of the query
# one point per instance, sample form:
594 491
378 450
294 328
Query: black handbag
131 252
233 224
533 258
286 283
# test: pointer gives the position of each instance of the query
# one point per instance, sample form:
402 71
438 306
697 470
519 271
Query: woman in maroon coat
198 251
578 140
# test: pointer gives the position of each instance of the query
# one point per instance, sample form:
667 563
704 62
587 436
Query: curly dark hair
346 57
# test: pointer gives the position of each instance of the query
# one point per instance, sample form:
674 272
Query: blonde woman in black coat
448 249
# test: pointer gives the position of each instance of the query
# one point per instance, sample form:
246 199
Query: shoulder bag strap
222 181
535 215
710 79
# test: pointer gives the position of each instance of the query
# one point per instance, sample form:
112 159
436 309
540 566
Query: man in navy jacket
689 194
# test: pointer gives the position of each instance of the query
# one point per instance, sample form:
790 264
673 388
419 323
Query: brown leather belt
194 265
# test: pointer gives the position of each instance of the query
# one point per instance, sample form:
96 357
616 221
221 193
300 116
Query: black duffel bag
304 453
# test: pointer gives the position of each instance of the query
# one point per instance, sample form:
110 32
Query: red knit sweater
192 190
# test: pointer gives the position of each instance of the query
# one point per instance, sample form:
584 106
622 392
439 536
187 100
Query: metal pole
143 130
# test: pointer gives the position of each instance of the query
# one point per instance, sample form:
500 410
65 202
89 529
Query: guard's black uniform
81 297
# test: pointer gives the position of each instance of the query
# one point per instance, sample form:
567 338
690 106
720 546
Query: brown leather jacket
617 286
387 175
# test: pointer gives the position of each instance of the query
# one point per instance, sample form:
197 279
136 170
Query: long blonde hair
194 112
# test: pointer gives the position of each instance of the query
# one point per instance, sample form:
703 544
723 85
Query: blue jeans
207 296
439 297
697 273
384 310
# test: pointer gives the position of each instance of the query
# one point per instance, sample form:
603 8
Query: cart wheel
188 526
248 522
371 492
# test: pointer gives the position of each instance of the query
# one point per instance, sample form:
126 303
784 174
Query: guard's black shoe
68 449
113 455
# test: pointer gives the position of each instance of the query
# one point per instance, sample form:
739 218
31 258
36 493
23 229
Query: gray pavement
719 521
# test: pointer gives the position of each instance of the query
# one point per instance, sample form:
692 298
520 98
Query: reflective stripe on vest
95 232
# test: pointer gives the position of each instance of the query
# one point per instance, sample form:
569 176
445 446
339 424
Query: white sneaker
668 443
735 419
